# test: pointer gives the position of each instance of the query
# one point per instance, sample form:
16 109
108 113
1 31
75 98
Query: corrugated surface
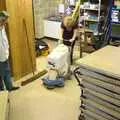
101 84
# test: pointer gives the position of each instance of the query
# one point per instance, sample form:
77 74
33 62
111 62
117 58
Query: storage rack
115 25
98 10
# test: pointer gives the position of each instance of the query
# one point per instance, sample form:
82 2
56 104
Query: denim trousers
5 76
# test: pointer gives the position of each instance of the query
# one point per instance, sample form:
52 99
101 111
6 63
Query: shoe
14 88
49 87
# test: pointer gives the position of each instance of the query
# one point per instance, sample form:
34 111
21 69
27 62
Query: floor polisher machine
58 67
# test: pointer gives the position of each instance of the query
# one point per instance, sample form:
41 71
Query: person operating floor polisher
58 67
61 57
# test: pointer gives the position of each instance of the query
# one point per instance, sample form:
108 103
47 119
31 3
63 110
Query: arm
61 35
74 35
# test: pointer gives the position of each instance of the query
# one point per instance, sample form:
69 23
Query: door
21 36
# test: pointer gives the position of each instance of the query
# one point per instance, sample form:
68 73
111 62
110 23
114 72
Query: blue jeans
5 76
57 82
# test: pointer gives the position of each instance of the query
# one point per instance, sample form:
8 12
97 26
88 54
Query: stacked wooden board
100 84
4 106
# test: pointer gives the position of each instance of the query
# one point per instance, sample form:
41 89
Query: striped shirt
4 46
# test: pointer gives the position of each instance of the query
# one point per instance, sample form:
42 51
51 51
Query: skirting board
38 75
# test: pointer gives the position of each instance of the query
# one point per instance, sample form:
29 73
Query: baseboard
49 38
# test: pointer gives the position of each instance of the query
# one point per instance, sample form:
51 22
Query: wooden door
2 5
21 36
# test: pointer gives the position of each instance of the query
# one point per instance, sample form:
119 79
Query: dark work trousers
1 84
68 43
5 76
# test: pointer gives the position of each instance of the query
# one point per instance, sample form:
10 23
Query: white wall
42 9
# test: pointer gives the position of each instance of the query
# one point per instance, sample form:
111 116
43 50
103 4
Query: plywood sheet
101 77
102 108
93 115
104 97
21 35
105 61
101 90
98 112
101 99
104 85
3 105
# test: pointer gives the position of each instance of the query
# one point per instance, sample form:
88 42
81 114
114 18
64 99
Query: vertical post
110 18
79 34
99 11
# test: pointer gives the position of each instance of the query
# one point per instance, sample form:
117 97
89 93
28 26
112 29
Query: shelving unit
114 21
90 9
90 14
96 14
91 20
99 23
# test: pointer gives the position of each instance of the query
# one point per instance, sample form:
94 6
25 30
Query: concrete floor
35 102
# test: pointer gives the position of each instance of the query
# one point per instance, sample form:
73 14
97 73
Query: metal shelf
115 22
114 36
115 8
90 9
91 20
113 33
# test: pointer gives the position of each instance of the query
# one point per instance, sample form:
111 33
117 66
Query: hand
60 41
72 40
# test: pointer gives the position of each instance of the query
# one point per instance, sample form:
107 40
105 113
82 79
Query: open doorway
41 13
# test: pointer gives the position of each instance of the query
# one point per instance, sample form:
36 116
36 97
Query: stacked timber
100 84
4 105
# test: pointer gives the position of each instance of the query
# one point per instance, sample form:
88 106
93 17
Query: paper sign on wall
61 8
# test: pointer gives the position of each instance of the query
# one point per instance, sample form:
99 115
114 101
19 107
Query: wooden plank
98 112
102 108
21 36
101 90
104 85
101 77
105 61
93 115
87 117
3 105
99 98
35 77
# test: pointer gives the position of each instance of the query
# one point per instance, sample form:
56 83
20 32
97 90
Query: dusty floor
35 102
